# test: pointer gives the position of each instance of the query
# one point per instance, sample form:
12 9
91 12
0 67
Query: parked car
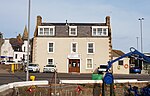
135 70
49 68
33 68
7 62
2 62
102 68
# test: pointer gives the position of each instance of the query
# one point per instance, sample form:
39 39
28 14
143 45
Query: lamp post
137 43
137 38
141 19
28 48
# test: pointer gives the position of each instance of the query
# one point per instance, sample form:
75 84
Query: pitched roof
25 34
73 24
16 44
117 53
61 29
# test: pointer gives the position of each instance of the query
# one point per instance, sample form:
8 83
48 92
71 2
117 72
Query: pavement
3 71
4 68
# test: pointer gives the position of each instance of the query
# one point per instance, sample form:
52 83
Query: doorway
74 65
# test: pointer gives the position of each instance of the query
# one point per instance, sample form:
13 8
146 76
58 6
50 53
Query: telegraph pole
27 71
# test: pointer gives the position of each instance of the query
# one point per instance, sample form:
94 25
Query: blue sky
124 17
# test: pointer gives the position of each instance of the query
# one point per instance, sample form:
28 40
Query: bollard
12 68
32 78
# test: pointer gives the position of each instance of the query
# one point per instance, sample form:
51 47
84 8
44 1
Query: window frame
16 56
88 47
53 47
102 29
120 62
48 32
75 27
91 63
72 47
48 61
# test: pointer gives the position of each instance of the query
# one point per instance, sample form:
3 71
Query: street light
27 74
137 49
141 19
137 43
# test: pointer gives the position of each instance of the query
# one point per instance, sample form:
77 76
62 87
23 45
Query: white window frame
102 34
52 62
16 56
70 27
42 27
53 47
72 47
87 62
88 47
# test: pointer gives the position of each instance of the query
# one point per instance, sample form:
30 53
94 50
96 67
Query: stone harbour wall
72 90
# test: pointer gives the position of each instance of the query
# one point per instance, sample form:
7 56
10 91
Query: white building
15 48
7 51
72 47
121 66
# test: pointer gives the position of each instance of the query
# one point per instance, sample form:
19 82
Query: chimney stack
108 20
39 20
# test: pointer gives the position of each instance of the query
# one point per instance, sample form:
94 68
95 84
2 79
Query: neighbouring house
6 50
146 65
123 65
1 41
15 49
25 45
72 47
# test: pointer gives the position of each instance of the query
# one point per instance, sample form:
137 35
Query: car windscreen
50 66
103 66
33 65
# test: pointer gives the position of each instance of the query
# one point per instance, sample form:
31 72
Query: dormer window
72 30
46 30
99 30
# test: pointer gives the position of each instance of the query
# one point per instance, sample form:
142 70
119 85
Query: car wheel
52 70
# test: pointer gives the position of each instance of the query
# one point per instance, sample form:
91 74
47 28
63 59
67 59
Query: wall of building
62 51
6 49
1 41
120 69
25 49
19 56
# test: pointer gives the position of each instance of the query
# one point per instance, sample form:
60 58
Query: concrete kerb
100 81
22 84
4 87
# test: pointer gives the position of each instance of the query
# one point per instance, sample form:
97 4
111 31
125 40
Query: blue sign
108 78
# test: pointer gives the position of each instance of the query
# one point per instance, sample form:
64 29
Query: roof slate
16 45
83 29
73 24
